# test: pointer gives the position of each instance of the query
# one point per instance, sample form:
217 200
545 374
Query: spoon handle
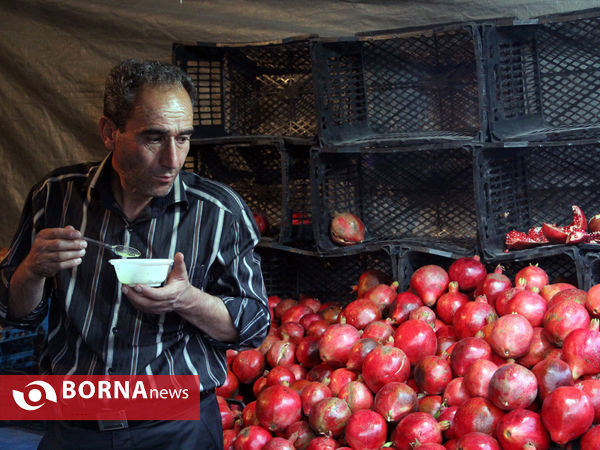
94 241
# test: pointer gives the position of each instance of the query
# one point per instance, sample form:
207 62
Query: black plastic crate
590 255
521 187
263 89
543 78
417 85
273 178
404 195
291 272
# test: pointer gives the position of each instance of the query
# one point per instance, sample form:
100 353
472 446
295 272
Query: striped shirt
92 327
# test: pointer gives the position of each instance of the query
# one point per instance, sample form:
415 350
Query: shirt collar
100 182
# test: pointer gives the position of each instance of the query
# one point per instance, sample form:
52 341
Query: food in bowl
150 271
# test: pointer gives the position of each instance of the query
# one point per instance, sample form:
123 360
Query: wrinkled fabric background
54 56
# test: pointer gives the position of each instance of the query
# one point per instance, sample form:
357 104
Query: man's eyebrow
160 131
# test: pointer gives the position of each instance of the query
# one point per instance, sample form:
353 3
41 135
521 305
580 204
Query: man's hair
125 80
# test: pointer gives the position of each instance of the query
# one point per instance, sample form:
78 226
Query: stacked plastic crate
255 124
400 113
441 139
543 87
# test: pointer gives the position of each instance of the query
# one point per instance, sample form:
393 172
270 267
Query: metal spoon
121 250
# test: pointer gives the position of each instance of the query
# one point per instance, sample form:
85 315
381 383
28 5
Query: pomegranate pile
463 359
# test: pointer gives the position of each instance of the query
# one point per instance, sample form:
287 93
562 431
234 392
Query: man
213 299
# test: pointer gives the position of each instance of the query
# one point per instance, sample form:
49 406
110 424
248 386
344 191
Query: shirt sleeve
238 281
18 250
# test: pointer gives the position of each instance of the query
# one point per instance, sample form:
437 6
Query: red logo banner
99 397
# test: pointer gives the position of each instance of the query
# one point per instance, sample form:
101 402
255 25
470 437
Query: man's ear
107 131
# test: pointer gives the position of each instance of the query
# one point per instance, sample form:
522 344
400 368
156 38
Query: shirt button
115 330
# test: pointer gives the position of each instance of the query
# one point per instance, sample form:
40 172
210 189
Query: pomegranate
432 374
550 374
382 295
493 284
317 328
277 407
477 377
472 316
550 289
307 351
450 302
466 352
425 314
279 443
567 413
314 392
467 273
535 276
395 400
336 342
357 395
528 304
403 304
381 331
229 388
574 294
383 365
417 427
511 336
512 386
369 279
339 378
329 416
476 414
292 331
322 443
358 351
431 404
252 437
581 350
477 440
592 300
281 353
360 313
366 429
283 306
311 302
249 414
592 388
309 319
347 229
538 349
416 339
429 282
506 296
564 317
521 428
280 375
329 312
321 372
248 365
300 434
295 313
591 439
261 222
456 392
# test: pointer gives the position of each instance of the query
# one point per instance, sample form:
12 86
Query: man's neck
131 205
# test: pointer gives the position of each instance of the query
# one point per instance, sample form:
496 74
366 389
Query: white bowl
152 272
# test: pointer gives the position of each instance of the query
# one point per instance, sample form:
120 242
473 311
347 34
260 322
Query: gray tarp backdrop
54 56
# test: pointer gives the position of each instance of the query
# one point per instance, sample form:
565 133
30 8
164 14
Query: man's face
149 153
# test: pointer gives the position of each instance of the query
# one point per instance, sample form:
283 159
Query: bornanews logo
98 397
